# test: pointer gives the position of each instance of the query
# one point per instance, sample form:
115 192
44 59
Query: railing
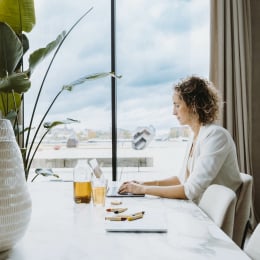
104 161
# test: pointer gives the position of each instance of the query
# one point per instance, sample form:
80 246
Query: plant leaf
49 125
25 43
11 50
21 130
37 56
46 172
20 15
19 82
11 115
26 129
94 76
8 104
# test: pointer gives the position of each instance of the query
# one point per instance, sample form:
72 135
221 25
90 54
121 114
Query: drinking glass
99 188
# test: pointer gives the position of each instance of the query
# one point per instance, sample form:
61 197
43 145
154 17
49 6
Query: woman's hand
132 187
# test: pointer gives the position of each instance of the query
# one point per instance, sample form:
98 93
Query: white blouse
214 160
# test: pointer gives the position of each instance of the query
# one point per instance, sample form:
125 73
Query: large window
158 43
85 51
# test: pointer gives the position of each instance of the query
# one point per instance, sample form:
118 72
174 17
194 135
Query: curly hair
201 97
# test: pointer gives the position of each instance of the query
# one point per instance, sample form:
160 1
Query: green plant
15 81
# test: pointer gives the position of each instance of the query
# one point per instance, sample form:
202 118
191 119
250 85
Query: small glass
99 189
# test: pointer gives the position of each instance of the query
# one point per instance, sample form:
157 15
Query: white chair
219 203
252 247
242 213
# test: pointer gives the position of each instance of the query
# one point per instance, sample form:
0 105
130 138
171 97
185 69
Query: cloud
158 43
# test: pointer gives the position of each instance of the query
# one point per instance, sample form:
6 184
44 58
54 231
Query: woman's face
181 111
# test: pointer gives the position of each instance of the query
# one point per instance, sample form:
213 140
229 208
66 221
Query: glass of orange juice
99 188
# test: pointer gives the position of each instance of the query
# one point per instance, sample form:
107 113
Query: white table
62 230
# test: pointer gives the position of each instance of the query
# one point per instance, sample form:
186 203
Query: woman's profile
211 156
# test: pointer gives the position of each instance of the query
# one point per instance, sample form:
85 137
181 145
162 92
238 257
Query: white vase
15 200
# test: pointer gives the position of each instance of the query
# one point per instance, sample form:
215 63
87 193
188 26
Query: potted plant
15 80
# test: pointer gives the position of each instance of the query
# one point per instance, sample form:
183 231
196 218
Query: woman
211 156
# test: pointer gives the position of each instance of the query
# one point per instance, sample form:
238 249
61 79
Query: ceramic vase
15 200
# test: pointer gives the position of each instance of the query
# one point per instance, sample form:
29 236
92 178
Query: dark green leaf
25 42
11 50
37 56
19 82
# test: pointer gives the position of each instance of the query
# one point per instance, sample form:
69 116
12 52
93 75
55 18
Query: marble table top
62 230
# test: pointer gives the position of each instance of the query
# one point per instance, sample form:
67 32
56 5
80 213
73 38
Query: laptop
113 190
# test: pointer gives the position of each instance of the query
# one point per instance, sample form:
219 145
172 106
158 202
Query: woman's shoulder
214 129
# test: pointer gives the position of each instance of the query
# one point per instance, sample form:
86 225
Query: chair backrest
252 247
219 202
244 202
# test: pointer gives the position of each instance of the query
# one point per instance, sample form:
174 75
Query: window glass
159 43
85 51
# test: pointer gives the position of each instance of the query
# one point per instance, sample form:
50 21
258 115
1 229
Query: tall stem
38 128
45 76
31 159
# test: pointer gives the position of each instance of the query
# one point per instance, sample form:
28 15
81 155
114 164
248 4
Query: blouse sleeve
213 150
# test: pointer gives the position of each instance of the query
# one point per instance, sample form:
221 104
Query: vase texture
15 200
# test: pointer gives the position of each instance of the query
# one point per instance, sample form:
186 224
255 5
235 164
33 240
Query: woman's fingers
123 187
126 187
133 187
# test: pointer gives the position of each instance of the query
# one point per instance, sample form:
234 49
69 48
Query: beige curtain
230 70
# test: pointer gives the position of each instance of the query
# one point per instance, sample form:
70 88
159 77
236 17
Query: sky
158 44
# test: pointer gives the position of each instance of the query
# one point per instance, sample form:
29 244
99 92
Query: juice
82 192
99 195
